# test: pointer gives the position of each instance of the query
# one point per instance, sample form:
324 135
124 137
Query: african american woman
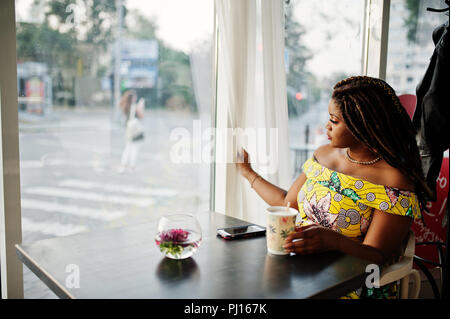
360 193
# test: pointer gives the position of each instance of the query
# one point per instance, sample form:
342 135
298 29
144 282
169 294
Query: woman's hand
312 239
243 163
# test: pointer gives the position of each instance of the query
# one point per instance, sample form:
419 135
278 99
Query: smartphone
241 231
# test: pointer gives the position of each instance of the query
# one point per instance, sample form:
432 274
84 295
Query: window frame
374 51
10 211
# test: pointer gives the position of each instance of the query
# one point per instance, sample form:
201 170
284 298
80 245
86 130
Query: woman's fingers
305 241
295 244
245 155
242 156
300 232
293 236
302 246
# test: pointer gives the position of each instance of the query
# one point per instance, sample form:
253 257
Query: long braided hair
374 116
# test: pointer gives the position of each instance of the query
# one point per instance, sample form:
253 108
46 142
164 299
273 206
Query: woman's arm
275 196
270 193
387 232
384 237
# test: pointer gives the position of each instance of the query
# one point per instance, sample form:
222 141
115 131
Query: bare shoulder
393 177
381 173
326 155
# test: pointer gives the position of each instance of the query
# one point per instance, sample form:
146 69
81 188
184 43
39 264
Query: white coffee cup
280 223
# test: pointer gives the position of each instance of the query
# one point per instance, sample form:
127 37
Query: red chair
431 237
409 103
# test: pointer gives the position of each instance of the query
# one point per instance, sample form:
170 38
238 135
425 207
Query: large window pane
79 172
410 43
323 45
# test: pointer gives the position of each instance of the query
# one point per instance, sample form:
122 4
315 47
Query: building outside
408 60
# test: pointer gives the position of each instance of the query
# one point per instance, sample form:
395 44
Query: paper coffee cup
280 223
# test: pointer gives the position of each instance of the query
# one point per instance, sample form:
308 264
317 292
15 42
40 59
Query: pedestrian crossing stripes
51 228
88 195
120 188
94 213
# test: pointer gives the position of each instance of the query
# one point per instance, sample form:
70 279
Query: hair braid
375 117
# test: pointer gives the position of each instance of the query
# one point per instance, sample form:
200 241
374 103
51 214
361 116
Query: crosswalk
88 196
51 228
75 210
126 189
75 201
71 182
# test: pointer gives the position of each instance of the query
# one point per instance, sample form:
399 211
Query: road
71 179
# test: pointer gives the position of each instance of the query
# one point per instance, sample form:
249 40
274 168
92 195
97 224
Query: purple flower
176 236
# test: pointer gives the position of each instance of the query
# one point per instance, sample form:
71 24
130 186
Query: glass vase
178 235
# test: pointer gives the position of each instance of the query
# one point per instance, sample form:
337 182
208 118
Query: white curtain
252 88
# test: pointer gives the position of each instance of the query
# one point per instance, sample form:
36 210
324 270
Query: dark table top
125 263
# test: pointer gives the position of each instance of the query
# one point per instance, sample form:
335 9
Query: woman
134 132
360 193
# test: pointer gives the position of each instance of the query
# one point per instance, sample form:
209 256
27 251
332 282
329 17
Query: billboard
139 64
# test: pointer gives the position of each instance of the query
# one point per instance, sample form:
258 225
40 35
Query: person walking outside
134 129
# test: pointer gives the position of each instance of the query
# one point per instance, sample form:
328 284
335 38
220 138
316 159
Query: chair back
409 102
410 245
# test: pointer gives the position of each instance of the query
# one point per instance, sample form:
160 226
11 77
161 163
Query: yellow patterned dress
345 204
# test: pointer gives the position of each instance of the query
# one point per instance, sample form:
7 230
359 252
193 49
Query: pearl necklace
361 162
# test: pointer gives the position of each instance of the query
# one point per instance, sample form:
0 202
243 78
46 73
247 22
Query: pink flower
284 219
176 236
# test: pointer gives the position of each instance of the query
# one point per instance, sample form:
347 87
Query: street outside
72 182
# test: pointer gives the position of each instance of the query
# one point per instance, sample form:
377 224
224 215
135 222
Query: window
79 170
323 45
72 133
410 39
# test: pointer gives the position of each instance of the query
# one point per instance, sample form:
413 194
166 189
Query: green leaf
350 193
169 248
409 212
324 183
335 181
328 184
284 233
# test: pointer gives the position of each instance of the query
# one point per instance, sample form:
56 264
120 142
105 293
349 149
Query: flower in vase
177 236
174 241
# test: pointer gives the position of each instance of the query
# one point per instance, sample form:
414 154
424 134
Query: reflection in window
81 168
323 42
410 40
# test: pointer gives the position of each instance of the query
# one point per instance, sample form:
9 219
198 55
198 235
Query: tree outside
75 43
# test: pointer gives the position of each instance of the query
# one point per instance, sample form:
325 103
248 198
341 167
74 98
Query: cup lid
282 211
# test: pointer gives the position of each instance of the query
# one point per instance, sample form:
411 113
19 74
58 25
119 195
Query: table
124 262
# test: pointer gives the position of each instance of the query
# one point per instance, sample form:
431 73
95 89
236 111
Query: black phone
241 231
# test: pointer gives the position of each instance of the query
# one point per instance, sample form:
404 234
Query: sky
332 27
181 23
332 33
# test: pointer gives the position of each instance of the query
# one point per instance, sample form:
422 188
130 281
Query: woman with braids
360 193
